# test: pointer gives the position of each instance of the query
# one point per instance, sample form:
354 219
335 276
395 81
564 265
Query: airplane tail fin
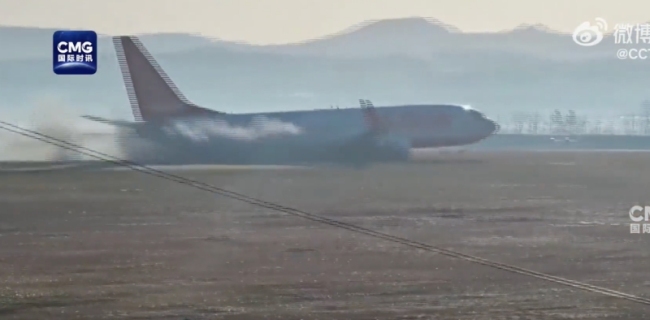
152 94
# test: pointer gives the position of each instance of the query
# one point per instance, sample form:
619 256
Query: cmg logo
639 213
74 52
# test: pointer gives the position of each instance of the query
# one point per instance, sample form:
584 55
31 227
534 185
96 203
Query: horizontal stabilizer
118 123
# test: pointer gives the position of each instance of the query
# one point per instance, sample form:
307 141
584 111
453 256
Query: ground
102 245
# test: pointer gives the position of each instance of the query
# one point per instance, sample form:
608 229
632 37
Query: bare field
124 245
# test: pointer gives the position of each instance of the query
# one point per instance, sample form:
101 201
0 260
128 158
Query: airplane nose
493 127
497 127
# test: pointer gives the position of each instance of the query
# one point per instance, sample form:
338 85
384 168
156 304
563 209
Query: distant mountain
390 61
417 37
421 37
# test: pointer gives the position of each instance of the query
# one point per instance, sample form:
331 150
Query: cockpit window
476 114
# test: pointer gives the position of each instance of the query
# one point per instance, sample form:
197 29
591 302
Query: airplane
187 133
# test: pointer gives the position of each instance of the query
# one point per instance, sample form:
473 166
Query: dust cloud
54 118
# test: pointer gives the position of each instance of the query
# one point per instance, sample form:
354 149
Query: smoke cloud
260 127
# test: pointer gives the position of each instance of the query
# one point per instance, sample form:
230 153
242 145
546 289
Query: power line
317 218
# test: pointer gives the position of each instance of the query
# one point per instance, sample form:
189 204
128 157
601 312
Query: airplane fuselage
424 126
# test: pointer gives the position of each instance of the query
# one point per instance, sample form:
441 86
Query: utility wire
317 218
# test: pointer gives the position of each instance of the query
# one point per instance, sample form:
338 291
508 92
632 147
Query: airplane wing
375 144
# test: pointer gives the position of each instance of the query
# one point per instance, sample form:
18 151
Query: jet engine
392 148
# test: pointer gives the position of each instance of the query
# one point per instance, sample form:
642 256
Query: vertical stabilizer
152 94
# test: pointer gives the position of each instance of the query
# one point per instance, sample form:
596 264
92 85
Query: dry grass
124 245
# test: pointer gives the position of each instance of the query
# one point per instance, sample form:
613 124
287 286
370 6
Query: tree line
570 122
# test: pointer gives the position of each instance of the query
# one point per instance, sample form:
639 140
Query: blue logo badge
74 52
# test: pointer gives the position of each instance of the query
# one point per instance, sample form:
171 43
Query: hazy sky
280 21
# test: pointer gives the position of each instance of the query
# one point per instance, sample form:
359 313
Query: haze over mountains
390 61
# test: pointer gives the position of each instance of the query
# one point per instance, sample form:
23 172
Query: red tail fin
152 94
